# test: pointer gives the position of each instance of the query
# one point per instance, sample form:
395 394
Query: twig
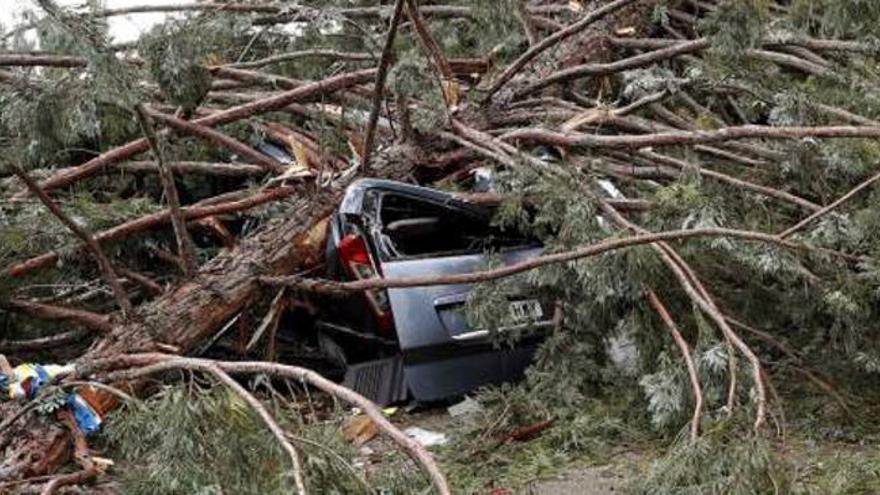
379 89
824 211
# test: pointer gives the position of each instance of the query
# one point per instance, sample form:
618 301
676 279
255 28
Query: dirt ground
586 481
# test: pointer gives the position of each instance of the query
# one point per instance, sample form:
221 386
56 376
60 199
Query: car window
413 227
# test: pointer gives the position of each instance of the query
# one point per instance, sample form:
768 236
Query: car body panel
442 355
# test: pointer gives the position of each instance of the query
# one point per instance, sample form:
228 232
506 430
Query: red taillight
356 258
353 249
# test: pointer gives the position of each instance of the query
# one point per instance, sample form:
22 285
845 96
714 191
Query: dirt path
599 480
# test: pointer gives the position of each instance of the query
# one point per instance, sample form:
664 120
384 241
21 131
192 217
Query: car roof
352 202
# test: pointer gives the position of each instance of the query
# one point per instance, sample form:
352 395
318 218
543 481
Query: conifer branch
201 168
435 54
602 69
683 347
379 85
679 138
326 86
336 287
62 339
92 321
557 37
831 207
193 128
139 365
185 246
203 209
104 265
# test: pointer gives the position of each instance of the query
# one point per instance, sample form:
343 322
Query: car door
418 235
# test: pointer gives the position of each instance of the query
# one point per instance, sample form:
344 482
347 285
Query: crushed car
399 343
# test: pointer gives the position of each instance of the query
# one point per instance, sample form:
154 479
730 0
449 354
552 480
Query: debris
87 419
27 379
425 437
525 433
465 408
390 411
360 429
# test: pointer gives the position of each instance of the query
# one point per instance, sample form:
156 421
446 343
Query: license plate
526 310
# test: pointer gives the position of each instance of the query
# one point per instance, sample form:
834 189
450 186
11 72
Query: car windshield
413 227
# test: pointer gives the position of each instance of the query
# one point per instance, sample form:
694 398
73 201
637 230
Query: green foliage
719 462
191 439
176 54
28 229
737 25
846 473
477 458
854 18
179 441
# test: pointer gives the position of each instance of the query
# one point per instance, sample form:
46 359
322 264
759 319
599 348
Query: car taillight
356 258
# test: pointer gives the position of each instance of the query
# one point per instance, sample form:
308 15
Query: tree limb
379 89
106 268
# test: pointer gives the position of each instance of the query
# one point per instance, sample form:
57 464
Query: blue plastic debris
28 379
87 419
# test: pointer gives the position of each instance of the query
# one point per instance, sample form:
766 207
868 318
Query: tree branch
661 310
200 210
185 246
378 90
335 287
93 321
276 102
146 364
106 268
553 39
219 139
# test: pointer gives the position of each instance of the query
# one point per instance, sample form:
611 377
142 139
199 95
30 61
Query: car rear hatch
432 234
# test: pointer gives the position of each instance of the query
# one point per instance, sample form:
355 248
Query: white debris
464 408
425 437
